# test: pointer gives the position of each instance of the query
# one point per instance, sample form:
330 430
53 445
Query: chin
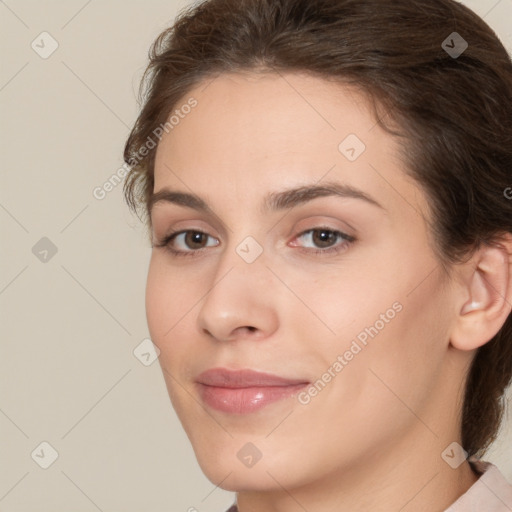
234 479
236 465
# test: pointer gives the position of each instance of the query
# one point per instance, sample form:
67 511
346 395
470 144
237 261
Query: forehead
272 111
260 132
248 120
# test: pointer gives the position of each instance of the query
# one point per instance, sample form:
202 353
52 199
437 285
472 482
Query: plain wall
70 324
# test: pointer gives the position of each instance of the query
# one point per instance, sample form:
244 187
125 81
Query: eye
192 242
191 239
324 239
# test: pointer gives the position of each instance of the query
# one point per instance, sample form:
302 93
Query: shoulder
491 492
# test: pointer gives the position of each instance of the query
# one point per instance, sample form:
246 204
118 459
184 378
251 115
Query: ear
486 295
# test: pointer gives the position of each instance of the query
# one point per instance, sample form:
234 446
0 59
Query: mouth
244 391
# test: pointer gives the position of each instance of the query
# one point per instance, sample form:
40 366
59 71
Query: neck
409 476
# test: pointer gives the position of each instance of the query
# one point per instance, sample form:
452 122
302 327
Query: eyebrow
273 202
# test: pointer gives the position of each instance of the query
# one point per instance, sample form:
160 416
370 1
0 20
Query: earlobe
488 297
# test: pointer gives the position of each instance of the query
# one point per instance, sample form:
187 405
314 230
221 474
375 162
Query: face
297 302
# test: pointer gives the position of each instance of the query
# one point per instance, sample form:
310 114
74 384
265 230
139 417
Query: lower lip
245 400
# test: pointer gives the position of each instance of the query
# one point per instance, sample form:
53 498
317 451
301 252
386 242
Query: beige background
68 375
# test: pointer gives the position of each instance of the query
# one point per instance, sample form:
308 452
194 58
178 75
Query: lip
244 391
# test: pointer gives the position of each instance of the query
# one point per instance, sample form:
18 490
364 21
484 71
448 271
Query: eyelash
166 242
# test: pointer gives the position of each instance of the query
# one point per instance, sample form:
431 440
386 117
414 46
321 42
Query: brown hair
455 112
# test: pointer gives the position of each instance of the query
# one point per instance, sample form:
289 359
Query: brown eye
324 240
186 243
195 239
323 237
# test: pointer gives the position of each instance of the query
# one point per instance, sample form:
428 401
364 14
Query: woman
330 287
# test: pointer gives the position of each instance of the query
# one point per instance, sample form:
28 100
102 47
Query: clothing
490 493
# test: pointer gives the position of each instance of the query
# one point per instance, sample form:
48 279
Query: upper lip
224 378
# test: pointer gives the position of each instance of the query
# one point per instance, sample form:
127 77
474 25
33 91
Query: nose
239 302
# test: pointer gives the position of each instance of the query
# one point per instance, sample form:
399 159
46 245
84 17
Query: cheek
390 332
402 359
167 303
340 303
157 296
166 313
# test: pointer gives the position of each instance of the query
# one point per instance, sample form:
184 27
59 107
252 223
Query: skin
372 439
